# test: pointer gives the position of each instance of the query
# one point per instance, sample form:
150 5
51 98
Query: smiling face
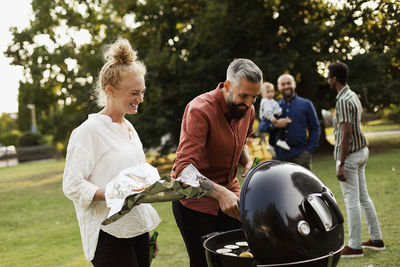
286 85
240 96
127 94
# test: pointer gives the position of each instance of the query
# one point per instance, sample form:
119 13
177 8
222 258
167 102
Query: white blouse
97 151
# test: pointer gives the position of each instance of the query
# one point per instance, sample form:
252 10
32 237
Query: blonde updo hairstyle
120 59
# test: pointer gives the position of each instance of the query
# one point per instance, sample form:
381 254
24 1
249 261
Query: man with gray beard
215 128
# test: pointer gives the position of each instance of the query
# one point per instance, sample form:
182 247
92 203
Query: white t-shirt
97 151
268 108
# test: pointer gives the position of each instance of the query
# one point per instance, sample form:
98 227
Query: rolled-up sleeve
78 167
192 140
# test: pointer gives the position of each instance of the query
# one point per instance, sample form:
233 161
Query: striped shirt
348 109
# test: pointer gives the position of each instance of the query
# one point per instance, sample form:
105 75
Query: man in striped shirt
351 155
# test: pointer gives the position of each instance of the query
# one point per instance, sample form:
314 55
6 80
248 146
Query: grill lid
288 214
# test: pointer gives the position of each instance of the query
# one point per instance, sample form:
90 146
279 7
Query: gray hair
244 68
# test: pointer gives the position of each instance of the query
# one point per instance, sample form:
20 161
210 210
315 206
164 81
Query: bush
30 139
9 138
31 153
370 116
393 114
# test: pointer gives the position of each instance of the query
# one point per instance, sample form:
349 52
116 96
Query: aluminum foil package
142 184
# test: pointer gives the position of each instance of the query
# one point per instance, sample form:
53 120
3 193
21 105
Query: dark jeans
280 132
193 225
122 252
303 159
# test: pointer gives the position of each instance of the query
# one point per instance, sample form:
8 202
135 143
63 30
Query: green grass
37 223
383 183
38 226
373 126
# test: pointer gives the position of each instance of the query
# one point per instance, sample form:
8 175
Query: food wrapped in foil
142 184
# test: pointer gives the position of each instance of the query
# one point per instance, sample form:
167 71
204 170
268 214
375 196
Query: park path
392 132
370 134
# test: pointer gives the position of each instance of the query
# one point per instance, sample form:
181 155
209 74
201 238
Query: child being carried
271 111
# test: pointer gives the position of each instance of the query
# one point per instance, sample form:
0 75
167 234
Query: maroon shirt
211 144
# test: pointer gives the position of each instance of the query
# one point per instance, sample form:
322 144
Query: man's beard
235 111
286 95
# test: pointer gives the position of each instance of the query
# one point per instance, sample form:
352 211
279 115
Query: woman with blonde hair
98 150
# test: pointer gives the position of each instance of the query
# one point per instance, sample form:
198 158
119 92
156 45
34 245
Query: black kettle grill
289 218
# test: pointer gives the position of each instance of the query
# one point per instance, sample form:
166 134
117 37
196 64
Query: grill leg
330 259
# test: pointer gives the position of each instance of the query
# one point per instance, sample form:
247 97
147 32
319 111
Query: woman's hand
100 195
156 250
151 242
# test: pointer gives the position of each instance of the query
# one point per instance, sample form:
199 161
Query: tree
299 37
60 54
187 46
7 123
8 130
375 69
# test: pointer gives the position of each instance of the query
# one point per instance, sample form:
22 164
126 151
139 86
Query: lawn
374 126
38 226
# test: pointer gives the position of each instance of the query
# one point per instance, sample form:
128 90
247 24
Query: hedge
31 153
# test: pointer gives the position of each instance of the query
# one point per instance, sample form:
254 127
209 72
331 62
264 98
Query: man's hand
229 202
247 168
340 174
282 122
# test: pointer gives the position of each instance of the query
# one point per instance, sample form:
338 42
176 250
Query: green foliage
8 130
393 114
9 138
187 46
7 123
30 139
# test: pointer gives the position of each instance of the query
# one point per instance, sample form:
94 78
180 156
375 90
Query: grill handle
333 206
322 211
